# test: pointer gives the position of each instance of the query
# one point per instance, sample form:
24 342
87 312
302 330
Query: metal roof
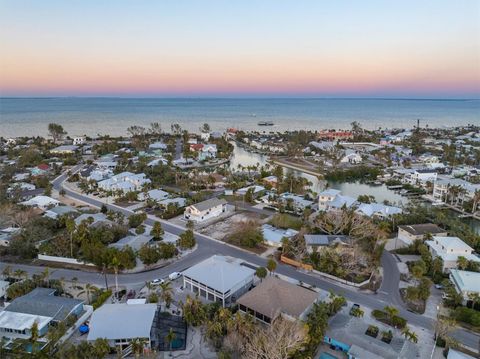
122 321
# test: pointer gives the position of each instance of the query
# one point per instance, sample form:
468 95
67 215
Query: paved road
391 279
207 246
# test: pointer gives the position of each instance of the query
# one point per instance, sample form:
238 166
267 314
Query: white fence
44 257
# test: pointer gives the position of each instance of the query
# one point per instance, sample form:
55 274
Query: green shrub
467 315
101 298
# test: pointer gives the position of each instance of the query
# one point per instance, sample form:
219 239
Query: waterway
381 193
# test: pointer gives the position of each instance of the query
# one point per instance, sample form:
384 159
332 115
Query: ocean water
92 116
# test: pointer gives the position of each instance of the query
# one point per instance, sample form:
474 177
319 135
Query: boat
265 123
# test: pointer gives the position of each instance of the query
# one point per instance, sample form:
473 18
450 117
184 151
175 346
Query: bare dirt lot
220 229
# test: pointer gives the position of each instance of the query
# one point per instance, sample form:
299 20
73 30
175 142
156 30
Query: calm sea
92 116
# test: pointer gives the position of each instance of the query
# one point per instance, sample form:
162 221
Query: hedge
101 298
467 315
397 321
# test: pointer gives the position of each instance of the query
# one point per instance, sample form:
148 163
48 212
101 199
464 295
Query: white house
257 190
327 196
299 203
79 140
420 177
205 210
208 150
442 187
205 136
351 156
125 182
377 210
64 150
465 283
219 279
42 202
156 195
449 249
409 233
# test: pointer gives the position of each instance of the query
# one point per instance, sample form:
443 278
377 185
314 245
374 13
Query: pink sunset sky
340 48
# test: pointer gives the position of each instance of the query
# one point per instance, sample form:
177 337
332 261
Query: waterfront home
409 233
42 202
274 297
208 151
296 202
347 334
273 236
327 196
449 249
64 150
453 190
351 156
272 181
219 279
377 210
316 242
124 182
466 283
420 177
337 203
121 323
205 210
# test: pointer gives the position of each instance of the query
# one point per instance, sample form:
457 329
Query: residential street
207 246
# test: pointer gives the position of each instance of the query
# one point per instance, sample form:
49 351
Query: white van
174 275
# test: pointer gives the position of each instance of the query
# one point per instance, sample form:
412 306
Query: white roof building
219 279
273 235
466 283
154 194
378 210
42 202
121 323
449 249
125 182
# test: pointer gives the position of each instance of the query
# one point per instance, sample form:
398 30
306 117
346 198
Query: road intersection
207 246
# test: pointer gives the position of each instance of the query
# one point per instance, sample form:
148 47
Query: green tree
261 272
157 231
170 337
193 311
56 131
89 290
166 293
271 265
186 240
149 254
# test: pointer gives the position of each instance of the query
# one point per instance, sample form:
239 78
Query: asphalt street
207 246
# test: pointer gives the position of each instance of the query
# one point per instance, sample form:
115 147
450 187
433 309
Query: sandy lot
220 229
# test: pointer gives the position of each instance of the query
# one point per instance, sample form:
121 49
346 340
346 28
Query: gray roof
325 239
220 273
60 210
135 242
209 203
421 229
43 302
122 321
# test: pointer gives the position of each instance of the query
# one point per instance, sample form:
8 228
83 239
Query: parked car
157 281
174 275
438 286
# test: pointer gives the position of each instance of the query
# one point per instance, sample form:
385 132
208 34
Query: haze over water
92 116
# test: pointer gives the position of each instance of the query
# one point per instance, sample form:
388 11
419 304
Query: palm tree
392 312
410 335
19 274
474 298
261 272
70 226
171 336
34 335
115 263
138 346
166 293
271 265
89 290
45 276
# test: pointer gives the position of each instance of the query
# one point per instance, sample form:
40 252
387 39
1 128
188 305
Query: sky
246 48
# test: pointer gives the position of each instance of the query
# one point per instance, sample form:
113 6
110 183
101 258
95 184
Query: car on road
157 281
174 275
438 286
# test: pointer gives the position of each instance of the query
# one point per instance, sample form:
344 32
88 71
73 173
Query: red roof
43 167
196 146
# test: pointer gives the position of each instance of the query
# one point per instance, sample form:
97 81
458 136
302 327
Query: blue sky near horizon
407 49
